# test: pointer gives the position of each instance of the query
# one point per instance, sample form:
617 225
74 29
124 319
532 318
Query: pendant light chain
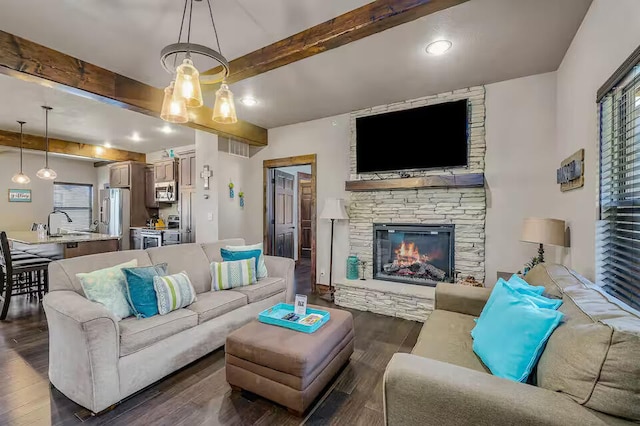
189 30
21 144
46 136
215 31
184 13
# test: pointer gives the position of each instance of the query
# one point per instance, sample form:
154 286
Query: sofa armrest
422 391
83 349
283 267
461 298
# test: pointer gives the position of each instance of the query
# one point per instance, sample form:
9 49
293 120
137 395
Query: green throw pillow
173 292
236 273
108 287
261 267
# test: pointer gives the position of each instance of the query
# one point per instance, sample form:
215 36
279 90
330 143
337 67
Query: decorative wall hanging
206 174
231 192
241 197
19 195
570 175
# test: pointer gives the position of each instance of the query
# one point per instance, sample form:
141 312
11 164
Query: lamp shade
543 231
334 209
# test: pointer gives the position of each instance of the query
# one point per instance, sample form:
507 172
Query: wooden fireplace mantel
467 180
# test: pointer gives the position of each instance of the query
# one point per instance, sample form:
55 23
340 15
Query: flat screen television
429 137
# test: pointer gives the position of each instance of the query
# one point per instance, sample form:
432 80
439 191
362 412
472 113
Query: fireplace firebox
413 253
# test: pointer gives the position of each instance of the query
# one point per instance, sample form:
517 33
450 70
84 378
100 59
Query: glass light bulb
224 110
47 174
173 110
187 86
20 178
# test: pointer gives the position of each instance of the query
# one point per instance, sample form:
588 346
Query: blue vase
241 201
352 268
231 193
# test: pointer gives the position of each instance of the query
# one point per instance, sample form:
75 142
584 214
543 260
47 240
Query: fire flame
407 254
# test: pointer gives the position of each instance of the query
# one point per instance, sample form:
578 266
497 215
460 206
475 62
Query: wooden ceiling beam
58 146
32 62
372 18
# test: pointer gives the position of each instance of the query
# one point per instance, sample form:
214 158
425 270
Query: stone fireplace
413 253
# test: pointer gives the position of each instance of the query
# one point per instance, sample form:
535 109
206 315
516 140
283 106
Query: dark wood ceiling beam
58 146
364 21
30 61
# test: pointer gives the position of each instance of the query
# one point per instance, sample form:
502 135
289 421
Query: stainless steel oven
151 238
166 192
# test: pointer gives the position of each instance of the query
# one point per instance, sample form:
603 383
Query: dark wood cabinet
188 170
150 190
165 171
131 175
120 175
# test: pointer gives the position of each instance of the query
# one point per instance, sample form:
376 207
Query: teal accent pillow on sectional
229 256
236 273
108 287
140 291
511 336
173 292
261 267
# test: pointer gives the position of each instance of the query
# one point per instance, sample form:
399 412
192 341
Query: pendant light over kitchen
185 89
21 178
46 173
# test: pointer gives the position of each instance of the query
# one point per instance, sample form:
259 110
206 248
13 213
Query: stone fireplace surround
464 207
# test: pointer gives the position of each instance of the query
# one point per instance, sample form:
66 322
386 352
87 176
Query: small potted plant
241 197
231 193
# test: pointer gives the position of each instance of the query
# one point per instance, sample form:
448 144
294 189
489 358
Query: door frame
301 176
299 160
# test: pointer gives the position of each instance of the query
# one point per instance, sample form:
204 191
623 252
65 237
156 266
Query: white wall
20 216
231 168
329 139
206 209
608 35
520 126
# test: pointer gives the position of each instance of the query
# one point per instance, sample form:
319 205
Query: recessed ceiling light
99 150
249 101
438 47
166 129
135 136
107 145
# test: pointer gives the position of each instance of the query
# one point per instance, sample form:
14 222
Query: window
77 201
618 234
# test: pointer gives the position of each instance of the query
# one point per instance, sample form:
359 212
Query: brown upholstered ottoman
287 366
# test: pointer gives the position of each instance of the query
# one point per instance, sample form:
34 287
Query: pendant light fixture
46 173
21 178
186 87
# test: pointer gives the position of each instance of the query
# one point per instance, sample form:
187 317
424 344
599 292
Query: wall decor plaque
570 175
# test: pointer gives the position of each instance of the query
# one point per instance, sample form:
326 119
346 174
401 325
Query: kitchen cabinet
131 175
187 219
188 170
165 171
120 175
150 190
136 239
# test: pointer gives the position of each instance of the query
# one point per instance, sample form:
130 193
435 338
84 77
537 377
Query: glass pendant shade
224 110
47 174
173 110
187 85
20 177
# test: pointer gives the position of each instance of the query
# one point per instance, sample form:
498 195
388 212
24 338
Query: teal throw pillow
230 256
108 287
510 338
500 289
237 273
261 266
140 291
173 292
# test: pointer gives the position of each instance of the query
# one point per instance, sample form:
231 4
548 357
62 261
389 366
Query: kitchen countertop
28 237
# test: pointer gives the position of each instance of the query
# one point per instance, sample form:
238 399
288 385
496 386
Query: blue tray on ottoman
274 315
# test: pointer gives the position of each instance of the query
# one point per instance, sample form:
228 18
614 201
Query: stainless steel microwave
166 192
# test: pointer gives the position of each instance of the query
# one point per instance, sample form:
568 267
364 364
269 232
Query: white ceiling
83 120
493 40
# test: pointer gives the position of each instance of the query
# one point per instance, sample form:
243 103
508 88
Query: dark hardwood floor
198 394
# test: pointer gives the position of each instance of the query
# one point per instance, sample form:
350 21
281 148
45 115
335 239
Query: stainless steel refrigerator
115 214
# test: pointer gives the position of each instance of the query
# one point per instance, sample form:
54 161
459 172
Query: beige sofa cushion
185 257
136 334
446 336
212 250
264 288
215 303
593 356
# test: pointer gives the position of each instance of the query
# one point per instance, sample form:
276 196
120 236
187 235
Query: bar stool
25 276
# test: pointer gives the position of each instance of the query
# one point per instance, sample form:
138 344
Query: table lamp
334 209
543 231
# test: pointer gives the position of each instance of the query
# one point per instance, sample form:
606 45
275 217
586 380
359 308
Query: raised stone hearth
412 302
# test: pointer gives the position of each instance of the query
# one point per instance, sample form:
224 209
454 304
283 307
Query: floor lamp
333 210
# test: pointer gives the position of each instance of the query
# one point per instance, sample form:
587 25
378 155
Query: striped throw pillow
174 292
237 273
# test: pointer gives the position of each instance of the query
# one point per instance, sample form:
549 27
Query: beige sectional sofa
588 374
97 361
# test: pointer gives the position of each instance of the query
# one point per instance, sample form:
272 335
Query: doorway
290 214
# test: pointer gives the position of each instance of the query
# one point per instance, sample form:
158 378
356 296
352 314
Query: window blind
618 230
77 201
